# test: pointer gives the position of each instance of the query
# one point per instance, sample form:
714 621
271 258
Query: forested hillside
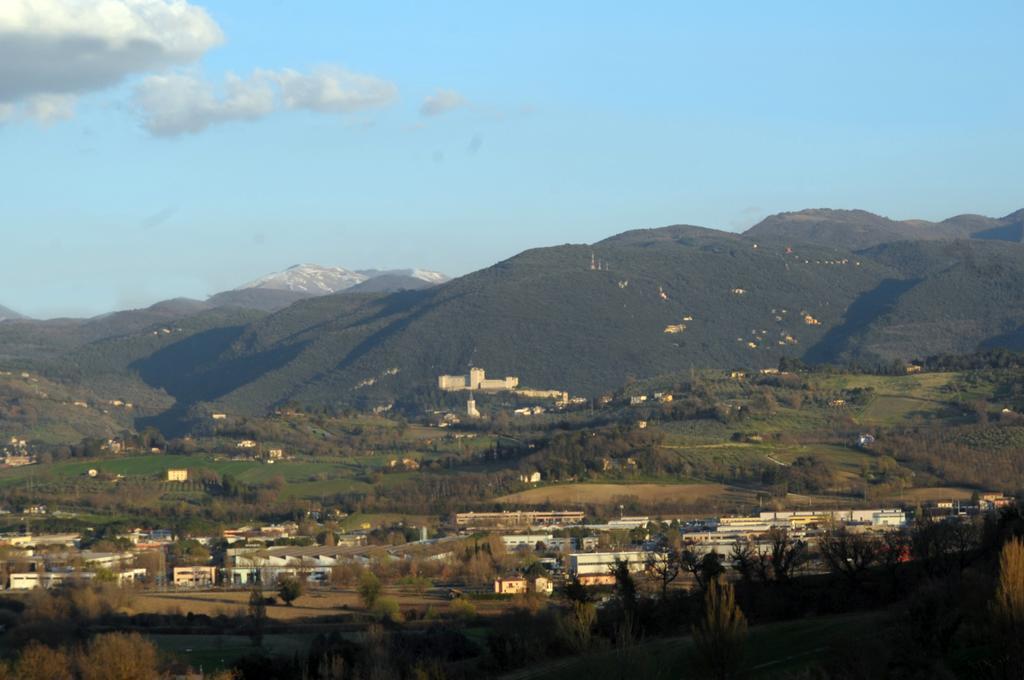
579 318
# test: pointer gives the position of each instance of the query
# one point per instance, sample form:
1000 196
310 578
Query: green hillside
548 318
580 318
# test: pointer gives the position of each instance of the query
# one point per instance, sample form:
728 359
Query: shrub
289 588
387 608
462 608
369 588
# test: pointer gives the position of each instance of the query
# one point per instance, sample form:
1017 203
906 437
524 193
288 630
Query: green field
771 649
214 652
303 478
897 399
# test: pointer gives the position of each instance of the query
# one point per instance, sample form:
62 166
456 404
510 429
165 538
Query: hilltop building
476 380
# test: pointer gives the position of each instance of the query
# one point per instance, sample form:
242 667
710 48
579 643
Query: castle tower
476 376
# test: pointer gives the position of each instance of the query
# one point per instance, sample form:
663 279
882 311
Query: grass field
304 478
935 493
214 652
771 650
569 494
897 398
315 603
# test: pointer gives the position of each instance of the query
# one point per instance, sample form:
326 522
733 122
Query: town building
604 562
520 518
194 577
596 579
513 541
49 579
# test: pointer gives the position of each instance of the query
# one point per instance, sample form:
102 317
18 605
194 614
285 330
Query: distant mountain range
312 279
280 289
855 229
6 313
45 340
823 286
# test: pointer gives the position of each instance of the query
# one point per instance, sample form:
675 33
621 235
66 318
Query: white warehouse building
582 564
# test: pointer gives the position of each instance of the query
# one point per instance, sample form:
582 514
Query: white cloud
440 102
51 50
332 90
178 104
49 108
175 104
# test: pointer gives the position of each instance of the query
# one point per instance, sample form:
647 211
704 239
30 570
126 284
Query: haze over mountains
819 285
280 289
6 313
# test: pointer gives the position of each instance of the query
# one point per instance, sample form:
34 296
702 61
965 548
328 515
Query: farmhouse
177 475
518 585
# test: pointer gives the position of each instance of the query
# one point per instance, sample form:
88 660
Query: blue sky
552 123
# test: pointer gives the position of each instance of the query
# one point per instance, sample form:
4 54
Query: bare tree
666 566
787 554
743 557
704 568
850 554
775 560
577 625
118 656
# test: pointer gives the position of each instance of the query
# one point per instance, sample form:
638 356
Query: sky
160 148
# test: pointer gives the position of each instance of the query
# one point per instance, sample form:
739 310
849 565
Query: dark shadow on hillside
1011 232
383 334
1012 340
194 370
171 423
377 307
859 315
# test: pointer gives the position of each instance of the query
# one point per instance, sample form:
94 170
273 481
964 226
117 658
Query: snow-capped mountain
310 279
433 278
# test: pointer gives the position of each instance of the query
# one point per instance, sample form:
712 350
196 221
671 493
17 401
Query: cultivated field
313 604
570 494
935 493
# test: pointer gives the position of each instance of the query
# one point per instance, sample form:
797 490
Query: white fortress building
476 380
